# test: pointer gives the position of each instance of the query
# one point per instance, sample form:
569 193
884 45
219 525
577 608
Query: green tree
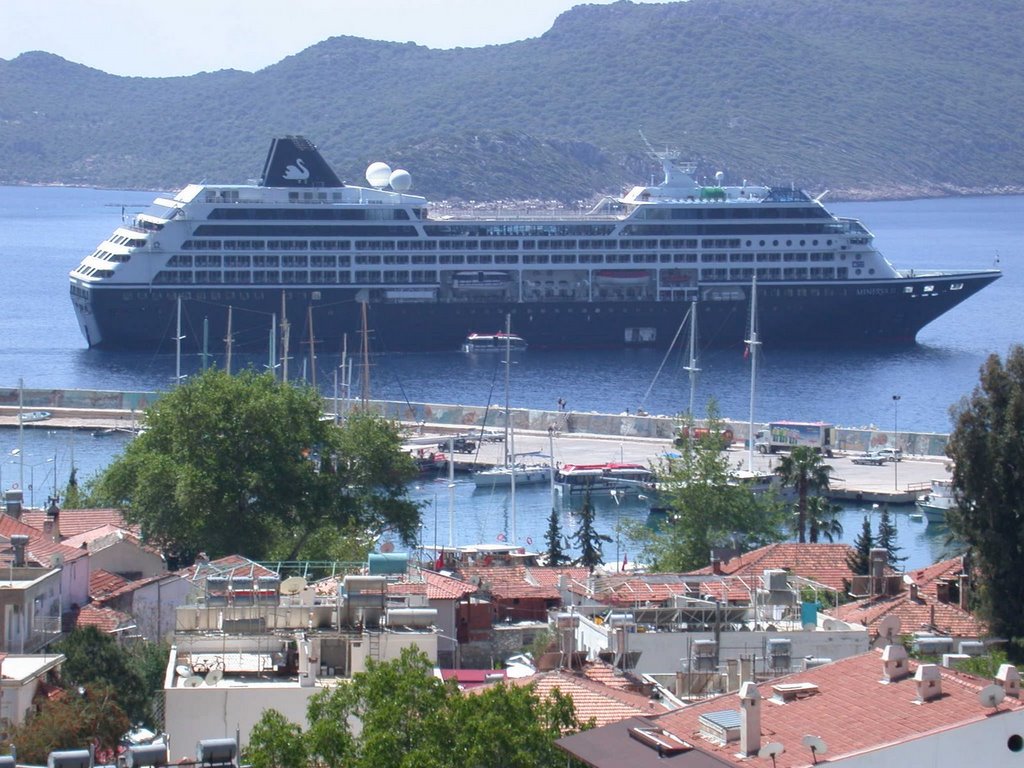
705 507
805 471
244 464
276 742
93 658
886 538
822 519
555 553
74 719
859 559
988 478
587 538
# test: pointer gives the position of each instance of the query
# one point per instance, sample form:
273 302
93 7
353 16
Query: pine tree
859 559
556 555
588 539
886 539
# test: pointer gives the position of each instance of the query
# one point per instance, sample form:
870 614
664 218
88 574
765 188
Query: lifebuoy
529 540
501 537
14 486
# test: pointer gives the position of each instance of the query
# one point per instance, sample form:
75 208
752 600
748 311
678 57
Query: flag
746 351
440 561
625 559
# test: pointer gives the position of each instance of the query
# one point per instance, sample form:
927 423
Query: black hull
804 314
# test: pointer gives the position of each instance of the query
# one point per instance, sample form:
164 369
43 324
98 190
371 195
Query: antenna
817 745
991 696
771 749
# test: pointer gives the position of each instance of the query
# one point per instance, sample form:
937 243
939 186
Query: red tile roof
229 565
103 583
852 711
593 700
510 582
76 521
823 563
105 619
434 585
40 550
924 613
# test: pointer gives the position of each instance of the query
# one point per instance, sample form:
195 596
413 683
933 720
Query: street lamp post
896 442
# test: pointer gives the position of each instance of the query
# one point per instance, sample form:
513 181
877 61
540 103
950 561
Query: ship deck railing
517 214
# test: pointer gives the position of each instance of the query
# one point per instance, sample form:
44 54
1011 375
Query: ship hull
805 314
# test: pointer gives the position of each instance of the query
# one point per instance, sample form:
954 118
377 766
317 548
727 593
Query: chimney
732 674
750 719
1009 678
894 664
965 588
929 682
12 501
746 669
913 591
716 564
19 541
876 568
51 526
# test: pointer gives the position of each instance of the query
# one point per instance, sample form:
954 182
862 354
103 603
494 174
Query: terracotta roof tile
105 619
509 582
924 613
103 583
40 550
229 565
435 586
592 699
76 521
823 563
852 711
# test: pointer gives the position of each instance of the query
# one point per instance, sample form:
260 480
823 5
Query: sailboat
513 472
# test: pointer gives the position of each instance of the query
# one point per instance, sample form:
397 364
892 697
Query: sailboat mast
366 360
752 345
312 348
284 340
177 348
228 341
510 455
692 367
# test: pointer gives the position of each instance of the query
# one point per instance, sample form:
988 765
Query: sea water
45 232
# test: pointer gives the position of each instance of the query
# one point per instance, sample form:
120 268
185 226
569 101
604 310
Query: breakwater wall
469 417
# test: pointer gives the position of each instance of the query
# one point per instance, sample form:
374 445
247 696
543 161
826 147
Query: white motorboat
937 501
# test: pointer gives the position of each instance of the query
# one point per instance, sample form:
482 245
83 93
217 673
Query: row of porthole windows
788 242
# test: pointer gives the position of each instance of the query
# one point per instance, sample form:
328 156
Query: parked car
889 454
459 445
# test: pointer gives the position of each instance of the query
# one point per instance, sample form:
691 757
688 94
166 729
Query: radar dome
378 174
400 180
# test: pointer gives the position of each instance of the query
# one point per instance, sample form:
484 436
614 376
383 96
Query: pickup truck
458 445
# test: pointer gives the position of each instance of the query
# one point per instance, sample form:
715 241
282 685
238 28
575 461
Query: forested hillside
864 97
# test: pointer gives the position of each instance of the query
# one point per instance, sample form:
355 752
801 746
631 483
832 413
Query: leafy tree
587 538
95 659
73 719
886 538
805 471
822 519
276 742
859 559
706 508
245 464
988 478
409 719
555 554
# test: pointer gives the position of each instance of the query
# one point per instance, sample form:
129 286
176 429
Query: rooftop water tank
387 563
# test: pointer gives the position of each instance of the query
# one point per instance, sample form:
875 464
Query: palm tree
803 470
822 522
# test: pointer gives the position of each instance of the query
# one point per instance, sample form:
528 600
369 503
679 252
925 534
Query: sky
153 39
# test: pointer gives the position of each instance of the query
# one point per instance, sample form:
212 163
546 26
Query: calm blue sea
44 232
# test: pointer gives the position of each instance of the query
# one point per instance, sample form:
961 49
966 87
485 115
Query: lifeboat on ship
622 277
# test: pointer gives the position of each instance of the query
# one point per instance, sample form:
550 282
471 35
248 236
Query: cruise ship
302 255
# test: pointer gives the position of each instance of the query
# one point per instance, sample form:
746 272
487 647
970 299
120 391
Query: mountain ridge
868 99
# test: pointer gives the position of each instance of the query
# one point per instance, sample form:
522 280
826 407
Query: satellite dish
771 749
387 547
293 585
214 676
400 180
817 745
183 670
378 175
193 681
889 627
991 695
830 625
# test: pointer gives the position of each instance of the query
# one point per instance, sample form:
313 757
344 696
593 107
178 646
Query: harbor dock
889 483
